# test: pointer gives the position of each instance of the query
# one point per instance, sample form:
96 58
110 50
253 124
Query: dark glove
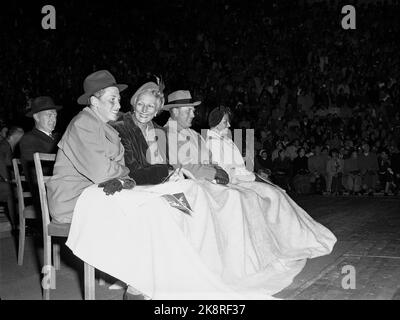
221 177
111 186
116 185
128 183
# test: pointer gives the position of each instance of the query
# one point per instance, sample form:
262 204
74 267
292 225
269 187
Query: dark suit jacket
5 167
135 151
31 142
37 141
5 159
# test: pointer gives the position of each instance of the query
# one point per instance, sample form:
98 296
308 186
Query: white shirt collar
46 133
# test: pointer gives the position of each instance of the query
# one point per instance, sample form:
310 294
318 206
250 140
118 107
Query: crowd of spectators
318 96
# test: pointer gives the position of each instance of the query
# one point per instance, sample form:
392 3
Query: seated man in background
7 148
368 163
40 139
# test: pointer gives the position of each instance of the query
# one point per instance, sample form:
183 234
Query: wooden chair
24 212
52 229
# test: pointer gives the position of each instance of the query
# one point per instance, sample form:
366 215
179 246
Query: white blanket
244 241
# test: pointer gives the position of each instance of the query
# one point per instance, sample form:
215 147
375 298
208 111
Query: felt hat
180 98
95 82
41 104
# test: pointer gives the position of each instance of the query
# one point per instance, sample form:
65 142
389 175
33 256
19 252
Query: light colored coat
89 152
226 154
187 148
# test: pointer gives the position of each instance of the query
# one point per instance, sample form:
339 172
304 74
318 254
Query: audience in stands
292 75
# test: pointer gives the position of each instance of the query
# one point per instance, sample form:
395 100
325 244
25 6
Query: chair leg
11 211
46 282
56 256
89 282
21 242
101 277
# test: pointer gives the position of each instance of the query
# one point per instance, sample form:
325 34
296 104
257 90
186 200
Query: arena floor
365 263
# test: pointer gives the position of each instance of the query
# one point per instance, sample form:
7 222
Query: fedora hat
180 98
42 104
96 81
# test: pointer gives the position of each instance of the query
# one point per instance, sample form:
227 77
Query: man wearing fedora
90 151
186 147
40 139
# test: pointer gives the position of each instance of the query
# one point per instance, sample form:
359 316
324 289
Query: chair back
19 178
41 179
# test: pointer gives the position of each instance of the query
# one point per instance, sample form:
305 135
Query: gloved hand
221 176
116 185
128 183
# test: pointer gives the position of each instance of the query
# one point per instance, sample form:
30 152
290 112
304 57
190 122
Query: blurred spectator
368 163
317 168
395 159
282 170
40 139
301 179
352 173
263 162
386 174
3 131
275 153
291 149
334 170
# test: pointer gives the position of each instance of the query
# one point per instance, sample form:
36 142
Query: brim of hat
83 99
31 113
178 105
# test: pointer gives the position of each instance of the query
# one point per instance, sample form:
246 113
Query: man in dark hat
40 139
